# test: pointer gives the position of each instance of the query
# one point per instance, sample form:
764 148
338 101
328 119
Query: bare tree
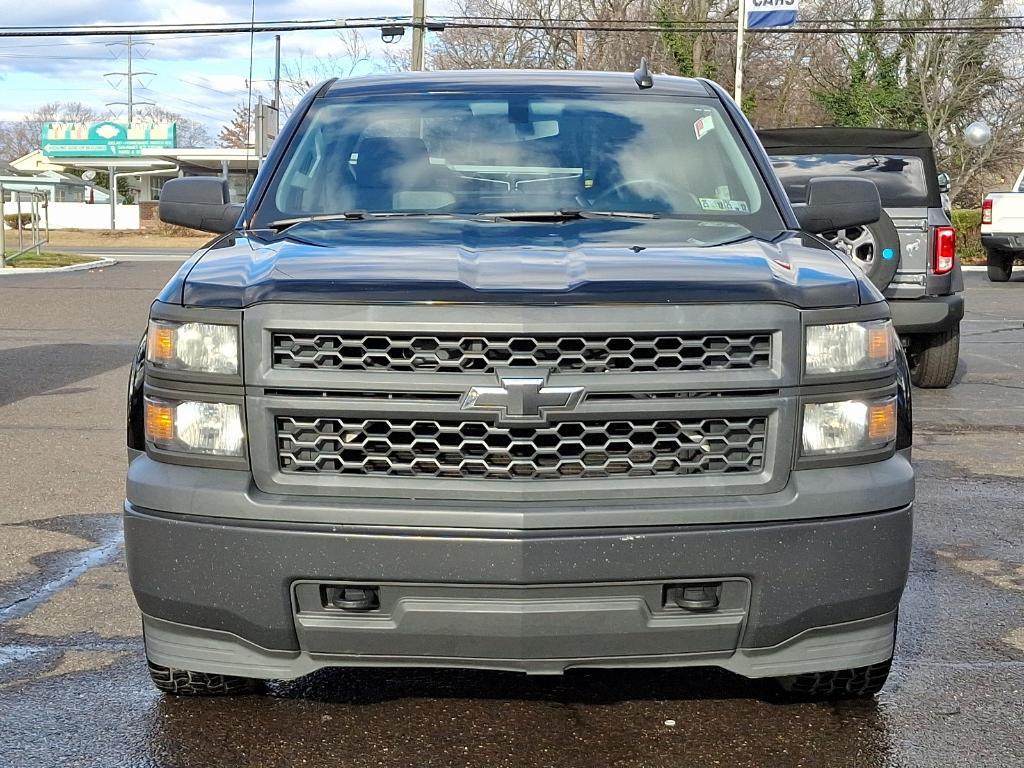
190 133
19 137
936 82
303 72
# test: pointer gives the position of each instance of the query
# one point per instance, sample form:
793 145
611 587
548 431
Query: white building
145 174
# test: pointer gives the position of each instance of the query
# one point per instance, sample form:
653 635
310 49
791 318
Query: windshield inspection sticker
717 204
703 126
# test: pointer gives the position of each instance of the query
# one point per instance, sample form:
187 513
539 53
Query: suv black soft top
858 141
844 138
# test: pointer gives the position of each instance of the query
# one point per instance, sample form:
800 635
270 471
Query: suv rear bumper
929 314
223 595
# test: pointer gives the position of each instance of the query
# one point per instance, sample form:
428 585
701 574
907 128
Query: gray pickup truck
525 371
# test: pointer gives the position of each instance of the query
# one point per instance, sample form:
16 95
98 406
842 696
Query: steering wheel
615 189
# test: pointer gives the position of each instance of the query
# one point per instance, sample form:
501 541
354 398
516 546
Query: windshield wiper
565 214
280 225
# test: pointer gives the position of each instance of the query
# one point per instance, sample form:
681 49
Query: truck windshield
477 154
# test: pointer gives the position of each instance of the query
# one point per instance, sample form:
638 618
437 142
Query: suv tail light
986 211
945 250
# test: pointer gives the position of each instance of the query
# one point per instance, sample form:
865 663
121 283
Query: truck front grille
476 449
559 354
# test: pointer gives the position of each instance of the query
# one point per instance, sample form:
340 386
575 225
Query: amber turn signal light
161 342
159 422
880 343
882 422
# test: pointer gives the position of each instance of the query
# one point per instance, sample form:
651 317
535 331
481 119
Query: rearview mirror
199 202
838 203
944 182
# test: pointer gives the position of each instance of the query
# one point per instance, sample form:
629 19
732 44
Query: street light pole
418 30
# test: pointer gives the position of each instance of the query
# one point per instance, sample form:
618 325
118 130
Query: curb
48 270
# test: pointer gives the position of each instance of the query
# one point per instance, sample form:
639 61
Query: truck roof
512 80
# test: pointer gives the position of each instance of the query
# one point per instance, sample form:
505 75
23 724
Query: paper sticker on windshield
717 204
703 126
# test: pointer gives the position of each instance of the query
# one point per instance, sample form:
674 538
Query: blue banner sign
771 13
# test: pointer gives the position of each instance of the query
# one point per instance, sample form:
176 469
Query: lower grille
476 449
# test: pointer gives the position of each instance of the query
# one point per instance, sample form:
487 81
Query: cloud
202 77
195 11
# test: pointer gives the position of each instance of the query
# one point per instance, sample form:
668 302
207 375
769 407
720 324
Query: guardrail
37 201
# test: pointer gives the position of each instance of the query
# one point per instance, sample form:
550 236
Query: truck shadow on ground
589 687
421 718
43 368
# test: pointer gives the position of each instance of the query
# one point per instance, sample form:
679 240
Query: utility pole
579 49
741 26
129 76
277 72
418 30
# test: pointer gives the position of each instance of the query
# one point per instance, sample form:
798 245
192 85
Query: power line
805 26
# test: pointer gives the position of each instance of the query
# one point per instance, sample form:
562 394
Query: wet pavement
73 687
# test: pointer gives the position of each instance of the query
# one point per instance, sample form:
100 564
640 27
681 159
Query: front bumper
928 314
812 591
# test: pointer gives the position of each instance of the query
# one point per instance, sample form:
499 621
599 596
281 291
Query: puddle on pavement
12 654
74 566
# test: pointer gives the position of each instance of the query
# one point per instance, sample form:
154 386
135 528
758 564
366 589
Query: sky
200 76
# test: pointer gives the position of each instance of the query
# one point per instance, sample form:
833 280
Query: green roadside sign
105 139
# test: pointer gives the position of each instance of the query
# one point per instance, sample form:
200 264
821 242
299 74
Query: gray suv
910 252
525 371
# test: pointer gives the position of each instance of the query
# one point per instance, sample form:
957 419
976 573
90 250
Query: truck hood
457 261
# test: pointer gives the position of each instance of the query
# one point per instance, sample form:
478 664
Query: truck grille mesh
465 353
476 449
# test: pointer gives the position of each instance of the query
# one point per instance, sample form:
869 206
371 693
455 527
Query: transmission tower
129 76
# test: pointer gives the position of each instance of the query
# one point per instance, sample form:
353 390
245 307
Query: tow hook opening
694 597
352 597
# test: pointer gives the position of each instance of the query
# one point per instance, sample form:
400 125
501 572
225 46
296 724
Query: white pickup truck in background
1002 230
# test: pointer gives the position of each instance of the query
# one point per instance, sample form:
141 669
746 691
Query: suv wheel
934 358
181 682
875 248
1000 265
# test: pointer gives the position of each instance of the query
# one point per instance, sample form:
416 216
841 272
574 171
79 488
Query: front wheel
935 358
856 683
1000 266
182 682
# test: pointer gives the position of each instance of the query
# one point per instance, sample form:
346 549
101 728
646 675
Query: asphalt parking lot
73 687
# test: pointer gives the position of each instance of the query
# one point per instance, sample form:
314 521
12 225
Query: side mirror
837 203
199 202
944 182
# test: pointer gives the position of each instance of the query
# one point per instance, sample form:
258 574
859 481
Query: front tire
182 682
1000 266
858 683
935 356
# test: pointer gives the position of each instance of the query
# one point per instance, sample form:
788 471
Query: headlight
200 347
848 426
842 347
195 427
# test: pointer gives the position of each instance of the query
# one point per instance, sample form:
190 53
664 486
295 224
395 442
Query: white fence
85 215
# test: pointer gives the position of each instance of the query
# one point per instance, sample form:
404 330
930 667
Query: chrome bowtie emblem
522 400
